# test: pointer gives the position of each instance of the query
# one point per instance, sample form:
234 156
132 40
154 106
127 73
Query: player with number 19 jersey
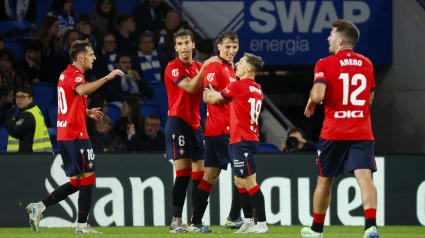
245 109
71 123
350 80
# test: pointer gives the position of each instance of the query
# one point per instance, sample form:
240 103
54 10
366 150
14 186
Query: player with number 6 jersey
74 144
345 83
246 97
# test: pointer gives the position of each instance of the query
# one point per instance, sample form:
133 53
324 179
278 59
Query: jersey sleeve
231 90
175 73
319 72
211 72
76 80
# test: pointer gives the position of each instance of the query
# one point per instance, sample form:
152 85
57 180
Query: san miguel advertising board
135 190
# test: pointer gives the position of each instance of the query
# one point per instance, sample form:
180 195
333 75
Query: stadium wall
135 190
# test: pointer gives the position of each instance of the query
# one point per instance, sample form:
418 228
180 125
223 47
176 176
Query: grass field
162 232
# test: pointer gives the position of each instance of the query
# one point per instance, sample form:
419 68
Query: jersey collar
183 63
224 61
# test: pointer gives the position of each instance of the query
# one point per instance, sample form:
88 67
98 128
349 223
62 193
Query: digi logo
175 72
210 77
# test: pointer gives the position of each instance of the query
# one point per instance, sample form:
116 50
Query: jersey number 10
355 80
62 106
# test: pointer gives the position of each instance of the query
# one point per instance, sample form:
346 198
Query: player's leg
244 167
67 150
87 181
361 161
330 163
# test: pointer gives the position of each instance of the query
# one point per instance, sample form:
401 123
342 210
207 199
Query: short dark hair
296 129
35 45
78 47
25 89
9 55
83 18
255 61
123 18
154 116
348 31
143 35
231 35
68 33
120 55
181 33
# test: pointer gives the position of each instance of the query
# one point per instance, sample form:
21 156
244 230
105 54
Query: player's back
180 103
350 81
71 122
244 110
218 75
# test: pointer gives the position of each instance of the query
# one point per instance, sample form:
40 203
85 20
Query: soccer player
219 75
245 98
73 141
345 83
183 131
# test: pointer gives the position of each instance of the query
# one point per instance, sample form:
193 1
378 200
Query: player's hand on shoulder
208 91
211 60
114 73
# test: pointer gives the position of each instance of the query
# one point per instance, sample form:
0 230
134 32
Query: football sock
235 208
318 221
179 190
62 192
257 199
85 198
200 201
196 179
246 203
370 216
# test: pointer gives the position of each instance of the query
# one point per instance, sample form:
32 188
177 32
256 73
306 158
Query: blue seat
44 95
162 127
53 115
268 148
160 97
114 112
4 135
17 48
14 29
149 108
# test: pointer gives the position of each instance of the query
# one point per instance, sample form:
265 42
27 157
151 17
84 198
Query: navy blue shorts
243 155
77 156
335 155
217 151
182 142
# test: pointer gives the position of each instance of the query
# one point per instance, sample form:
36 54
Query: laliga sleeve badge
181 151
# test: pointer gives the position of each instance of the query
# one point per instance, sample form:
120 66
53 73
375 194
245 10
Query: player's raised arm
88 88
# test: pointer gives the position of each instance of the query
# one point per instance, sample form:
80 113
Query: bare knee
211 175
324 182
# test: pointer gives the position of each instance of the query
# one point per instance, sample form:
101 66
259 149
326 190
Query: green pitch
162 232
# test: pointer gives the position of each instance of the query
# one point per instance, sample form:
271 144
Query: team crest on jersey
181 151
210 77
78 79
175 72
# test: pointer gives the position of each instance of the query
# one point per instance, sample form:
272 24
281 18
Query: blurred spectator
150 64
83 26
62 10
150 15
131 121
165 36
10 75
18 10
296 141
105 57
6 104
131 84
31 63
126 41
152 140
103 18
1 41
204 50
96 101
58 63
103 131
49 36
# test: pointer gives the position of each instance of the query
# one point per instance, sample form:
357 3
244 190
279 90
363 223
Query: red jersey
180 103
245 108
71 106
219 75
350 80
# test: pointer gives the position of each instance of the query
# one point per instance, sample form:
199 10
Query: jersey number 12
355 80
